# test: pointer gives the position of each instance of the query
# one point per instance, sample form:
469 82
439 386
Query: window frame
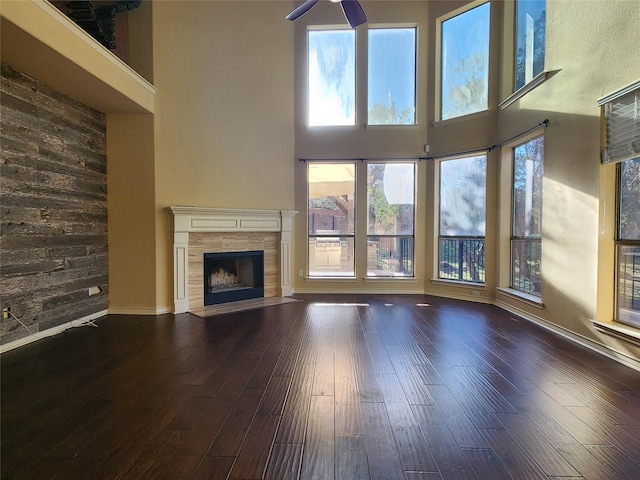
331 28
517 238
460 238
416 107
331 236
411 236
536 77
440 21
632 318
616 149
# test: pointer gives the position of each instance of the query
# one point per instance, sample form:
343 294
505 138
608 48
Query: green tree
469 94
629 220
382 114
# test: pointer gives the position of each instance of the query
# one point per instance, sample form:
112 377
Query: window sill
461 118
391 279
523 297
458 283
522 91
619 330
411 126
331 128
331 279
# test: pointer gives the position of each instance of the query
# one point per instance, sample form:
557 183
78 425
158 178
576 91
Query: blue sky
462 37
391 72
392 58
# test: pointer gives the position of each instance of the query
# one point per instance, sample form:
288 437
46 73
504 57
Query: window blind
622 125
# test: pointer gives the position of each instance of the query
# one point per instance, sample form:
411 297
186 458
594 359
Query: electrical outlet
94 291
5 313
475 293
300 273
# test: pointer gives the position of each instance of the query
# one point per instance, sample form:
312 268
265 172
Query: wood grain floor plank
215 468
318 462
541 409
348 420
612 432
455 418
515 460
189 413
422 476
450 460
231 435
346 387
351 458
296 410
485 463
252 458
415 390
616 461
273 400
414 451
287 361
383 455
543 453
324 378
284 462
198 440
378 352
403 385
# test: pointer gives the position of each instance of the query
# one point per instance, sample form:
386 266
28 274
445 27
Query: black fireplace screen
233 276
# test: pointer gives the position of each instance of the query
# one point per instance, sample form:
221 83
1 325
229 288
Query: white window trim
620 150
618 93
438 71
527 298
522 91
416 102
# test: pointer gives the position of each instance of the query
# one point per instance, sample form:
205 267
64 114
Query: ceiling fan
352 11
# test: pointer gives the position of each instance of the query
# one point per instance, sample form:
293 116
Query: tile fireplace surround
200 228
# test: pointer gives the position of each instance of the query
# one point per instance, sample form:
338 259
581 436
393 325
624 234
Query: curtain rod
544 122
392 159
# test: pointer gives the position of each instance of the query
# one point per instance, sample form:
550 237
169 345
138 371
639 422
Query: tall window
462 219
529 39
465 63
390 206
526 226
331 203
621 146
628 248
332 77
392 76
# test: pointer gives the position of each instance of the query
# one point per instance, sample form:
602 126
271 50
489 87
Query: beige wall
224 126
130 204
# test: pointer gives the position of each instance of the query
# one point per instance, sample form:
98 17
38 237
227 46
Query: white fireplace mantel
203 219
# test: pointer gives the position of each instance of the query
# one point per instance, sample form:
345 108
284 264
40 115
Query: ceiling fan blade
354 12
301 10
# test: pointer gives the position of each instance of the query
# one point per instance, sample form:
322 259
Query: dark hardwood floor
344 387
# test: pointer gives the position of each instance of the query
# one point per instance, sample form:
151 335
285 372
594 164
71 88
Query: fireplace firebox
233 276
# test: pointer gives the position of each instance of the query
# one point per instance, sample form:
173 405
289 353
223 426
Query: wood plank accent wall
214 242
53 200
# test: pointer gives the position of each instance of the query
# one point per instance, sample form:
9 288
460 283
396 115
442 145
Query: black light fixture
352 11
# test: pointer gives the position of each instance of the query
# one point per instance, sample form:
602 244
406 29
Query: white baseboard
360 291
453 296
612 353
51 331
138 310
